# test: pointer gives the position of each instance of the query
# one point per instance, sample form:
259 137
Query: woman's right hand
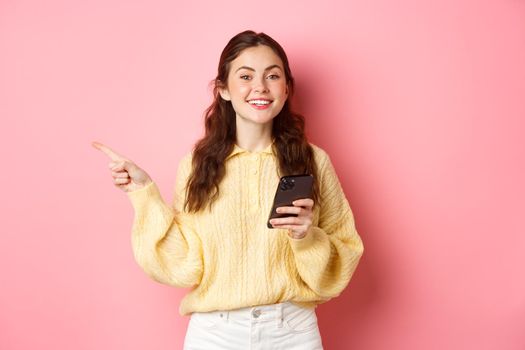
126 174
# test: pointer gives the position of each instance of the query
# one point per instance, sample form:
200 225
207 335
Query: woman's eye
273 76
245 77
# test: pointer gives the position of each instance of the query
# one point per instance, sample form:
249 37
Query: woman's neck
254 137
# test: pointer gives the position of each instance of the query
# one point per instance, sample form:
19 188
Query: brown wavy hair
293 152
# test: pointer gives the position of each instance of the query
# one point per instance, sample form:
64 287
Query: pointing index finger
108 151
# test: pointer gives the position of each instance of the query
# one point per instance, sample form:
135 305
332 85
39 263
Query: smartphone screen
289 189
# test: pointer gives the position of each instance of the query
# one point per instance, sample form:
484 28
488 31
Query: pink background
419 103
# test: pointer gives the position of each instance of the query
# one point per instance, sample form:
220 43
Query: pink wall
419 103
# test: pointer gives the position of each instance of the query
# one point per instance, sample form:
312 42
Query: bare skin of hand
297 225
126 174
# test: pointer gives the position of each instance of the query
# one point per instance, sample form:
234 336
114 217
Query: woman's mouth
260 104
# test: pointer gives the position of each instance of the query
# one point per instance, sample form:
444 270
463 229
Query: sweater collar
238 150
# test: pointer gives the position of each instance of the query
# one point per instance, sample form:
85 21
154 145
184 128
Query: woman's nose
260 85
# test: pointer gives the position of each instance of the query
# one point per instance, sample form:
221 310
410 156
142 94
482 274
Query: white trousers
282 326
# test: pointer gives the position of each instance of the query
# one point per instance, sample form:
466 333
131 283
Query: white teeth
259 102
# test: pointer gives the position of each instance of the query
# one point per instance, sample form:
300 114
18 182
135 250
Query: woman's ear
225 94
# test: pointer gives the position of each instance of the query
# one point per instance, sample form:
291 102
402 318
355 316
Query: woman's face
256 85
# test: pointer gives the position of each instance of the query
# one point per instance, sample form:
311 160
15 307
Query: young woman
252 287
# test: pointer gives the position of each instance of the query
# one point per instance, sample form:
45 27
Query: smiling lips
260 103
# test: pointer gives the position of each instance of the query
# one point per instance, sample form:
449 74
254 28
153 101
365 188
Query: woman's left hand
297 225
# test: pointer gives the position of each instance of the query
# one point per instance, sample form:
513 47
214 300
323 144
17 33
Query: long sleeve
328 255
164 241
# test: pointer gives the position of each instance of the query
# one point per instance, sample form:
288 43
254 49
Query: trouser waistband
259 313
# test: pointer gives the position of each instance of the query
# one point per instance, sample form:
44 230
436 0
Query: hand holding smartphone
289 189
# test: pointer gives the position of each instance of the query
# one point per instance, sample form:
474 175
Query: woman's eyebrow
267 68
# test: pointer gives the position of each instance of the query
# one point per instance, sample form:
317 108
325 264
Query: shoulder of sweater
186 159
317 149
184 166
320 155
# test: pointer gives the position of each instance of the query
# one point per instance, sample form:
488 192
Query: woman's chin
257 119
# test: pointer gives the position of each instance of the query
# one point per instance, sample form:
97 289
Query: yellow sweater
228 256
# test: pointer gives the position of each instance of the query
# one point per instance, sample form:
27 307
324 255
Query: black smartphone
290 188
